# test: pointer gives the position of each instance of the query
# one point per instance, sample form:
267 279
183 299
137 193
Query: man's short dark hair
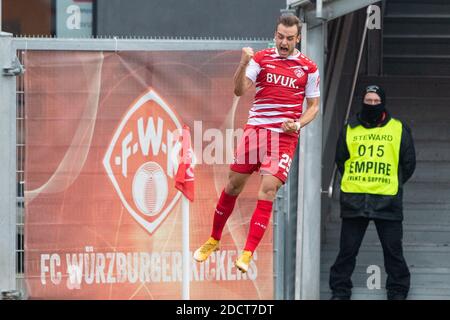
289 20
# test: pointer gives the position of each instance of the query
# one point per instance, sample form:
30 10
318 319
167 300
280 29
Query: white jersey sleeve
312 89
252 70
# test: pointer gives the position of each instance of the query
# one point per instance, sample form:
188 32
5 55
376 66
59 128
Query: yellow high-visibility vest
374 156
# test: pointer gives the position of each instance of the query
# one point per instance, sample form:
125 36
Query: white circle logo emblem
150 188
299 73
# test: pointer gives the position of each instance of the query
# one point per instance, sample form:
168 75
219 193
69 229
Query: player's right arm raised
241 82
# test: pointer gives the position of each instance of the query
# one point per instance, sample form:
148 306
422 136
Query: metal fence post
8 167
279 244
307 281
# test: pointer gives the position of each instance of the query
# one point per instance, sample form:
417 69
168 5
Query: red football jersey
281 86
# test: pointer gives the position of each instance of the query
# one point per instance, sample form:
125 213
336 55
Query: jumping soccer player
283 77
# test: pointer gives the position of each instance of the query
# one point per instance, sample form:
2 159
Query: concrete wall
199 18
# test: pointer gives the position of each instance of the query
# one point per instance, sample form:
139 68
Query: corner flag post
185 183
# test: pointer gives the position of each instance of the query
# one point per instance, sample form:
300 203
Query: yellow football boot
202 253
243 261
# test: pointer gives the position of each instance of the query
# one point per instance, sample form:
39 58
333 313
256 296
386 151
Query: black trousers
390 234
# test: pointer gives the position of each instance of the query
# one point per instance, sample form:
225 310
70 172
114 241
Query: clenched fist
247 55
290 126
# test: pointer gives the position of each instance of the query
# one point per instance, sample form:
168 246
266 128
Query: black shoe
333 297
397 296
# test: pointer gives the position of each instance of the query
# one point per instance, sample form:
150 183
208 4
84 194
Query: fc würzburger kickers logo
299 72
142 160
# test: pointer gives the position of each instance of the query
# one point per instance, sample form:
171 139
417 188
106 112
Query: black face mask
372 113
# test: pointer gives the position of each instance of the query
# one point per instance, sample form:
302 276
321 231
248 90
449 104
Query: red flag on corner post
184 180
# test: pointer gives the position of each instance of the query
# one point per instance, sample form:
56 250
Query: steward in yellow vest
375 156
374 160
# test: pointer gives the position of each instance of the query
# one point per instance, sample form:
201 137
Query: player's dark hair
289 20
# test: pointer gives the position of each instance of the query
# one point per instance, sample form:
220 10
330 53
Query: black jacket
370 205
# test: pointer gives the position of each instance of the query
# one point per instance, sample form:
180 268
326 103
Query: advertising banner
103 216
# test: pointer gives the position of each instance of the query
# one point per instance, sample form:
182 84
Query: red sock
223 211
258 224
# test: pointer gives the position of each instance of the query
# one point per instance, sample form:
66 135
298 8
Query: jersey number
285 163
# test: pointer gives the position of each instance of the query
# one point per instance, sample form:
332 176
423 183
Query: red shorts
268 151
